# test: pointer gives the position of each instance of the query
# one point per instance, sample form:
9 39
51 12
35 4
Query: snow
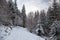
19 33
4 32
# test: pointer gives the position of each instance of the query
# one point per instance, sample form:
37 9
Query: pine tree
42 18
52 13
11 8
55 8
50 17
15 6
24 15
43 22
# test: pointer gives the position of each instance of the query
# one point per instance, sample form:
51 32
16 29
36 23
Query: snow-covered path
19 33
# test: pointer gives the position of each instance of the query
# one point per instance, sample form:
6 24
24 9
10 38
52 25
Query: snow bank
4 32
19 33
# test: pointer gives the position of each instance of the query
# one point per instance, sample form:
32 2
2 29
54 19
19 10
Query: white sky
33 5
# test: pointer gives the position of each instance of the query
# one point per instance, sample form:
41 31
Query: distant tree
49 17
15 7
36 18
43 18
10 4
43 22
24 15
30 21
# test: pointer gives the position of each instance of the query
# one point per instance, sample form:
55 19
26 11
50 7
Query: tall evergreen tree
15 6
24 15
12 8
43 21
55 8
42 18
52 13
10 4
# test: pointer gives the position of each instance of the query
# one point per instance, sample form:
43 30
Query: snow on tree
53 18
16 15
43 22
52 13
11 8
39 30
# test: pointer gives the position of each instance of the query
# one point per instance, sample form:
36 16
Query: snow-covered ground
4 32
17 33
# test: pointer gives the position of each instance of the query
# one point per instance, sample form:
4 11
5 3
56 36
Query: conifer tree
12 9
24 15
42 18
52 13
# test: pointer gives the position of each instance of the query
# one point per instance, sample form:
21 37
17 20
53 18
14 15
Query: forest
45 24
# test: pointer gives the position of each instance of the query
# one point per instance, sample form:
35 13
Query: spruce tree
12 10
52 13
24 15
42 18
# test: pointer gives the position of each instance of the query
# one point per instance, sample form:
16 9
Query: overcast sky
33 5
